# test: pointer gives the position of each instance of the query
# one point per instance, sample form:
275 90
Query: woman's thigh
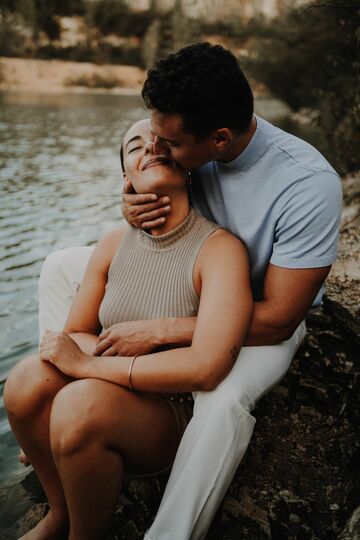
142 427
32 383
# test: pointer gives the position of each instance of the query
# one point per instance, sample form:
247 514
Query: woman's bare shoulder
114 236
222 243
220 250
107 246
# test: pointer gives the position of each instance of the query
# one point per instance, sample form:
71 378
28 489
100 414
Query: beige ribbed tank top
152 276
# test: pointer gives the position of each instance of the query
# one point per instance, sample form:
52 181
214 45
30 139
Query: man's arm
145 336
288 295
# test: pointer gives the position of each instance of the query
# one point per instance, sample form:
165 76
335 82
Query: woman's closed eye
135 148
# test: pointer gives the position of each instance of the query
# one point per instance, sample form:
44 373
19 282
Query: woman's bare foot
23 458
50 528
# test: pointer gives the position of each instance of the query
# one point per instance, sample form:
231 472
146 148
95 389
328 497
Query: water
60 185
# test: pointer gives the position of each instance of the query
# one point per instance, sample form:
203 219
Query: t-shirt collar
252 153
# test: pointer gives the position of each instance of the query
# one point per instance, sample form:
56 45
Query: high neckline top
151 277
170 239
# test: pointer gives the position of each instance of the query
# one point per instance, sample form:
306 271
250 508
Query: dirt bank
52 76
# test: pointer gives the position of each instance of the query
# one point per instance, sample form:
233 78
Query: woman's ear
222 138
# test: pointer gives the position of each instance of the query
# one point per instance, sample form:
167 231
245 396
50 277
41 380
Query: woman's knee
29 385
76 419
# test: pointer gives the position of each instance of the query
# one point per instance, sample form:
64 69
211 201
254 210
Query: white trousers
219 433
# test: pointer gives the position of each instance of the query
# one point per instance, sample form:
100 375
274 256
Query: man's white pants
219 432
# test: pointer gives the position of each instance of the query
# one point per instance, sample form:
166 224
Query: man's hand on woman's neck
179 210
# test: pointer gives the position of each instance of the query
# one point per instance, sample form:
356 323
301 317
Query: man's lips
157 161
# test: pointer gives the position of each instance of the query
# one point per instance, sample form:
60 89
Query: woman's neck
179 210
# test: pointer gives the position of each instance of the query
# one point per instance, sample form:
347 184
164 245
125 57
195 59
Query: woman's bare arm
223 317
83 322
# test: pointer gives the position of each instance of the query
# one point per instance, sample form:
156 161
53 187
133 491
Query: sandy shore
53 76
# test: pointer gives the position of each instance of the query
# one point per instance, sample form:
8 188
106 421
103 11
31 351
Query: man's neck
238 144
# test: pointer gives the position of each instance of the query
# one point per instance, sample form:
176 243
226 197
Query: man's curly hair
205 85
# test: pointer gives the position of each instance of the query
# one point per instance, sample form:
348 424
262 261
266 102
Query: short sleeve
306 234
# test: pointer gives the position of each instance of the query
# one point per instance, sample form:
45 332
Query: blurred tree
29 12
168 32
115 17
309 57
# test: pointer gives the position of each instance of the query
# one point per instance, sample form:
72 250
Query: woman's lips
157 161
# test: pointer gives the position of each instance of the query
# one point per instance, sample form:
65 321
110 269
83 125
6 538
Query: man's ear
222 138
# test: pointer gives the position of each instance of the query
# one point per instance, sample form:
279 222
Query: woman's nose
149 147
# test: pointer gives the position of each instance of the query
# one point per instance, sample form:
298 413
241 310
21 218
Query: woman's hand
62 351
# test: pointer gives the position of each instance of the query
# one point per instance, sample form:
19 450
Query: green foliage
310 58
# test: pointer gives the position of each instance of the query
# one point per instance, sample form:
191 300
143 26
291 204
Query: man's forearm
177 331
264 329
267 327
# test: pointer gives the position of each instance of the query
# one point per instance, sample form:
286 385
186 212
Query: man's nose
159 147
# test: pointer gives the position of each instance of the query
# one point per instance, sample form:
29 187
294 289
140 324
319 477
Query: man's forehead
167 126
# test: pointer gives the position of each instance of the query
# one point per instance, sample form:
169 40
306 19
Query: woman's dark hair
204 84
122 157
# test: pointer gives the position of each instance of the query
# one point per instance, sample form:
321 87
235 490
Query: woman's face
149 172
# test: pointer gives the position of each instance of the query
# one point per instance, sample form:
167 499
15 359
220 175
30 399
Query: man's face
182 147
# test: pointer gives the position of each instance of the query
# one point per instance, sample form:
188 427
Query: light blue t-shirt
280 197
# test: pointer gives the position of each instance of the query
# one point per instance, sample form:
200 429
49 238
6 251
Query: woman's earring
188 177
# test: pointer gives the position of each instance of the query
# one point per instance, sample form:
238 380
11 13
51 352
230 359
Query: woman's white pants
219 433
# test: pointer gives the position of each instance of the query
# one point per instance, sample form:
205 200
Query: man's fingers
139 198
102 347
153 224
103 336
110 352
150 207
154 214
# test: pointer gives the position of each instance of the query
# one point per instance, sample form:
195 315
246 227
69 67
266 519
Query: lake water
60 186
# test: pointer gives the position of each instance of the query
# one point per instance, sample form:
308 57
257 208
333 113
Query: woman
82 419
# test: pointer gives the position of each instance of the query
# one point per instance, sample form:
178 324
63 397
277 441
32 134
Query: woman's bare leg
98 429
28 397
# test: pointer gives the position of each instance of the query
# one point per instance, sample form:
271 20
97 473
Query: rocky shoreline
300 479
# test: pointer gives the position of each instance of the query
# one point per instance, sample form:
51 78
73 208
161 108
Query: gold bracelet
130 372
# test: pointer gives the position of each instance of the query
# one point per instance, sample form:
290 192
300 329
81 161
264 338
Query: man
282 198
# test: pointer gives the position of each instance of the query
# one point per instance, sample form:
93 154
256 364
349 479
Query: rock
36 513
352 529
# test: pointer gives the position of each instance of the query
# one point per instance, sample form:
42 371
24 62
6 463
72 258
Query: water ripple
60 186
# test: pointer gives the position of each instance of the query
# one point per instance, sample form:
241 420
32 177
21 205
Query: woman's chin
161 187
